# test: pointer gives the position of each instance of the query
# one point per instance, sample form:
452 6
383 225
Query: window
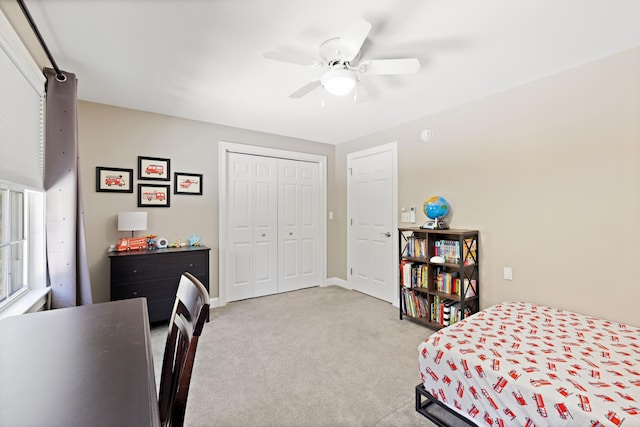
13 244
22 230
21 242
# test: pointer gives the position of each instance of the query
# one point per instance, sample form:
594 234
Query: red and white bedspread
523 364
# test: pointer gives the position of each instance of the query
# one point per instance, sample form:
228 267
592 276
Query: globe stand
441 224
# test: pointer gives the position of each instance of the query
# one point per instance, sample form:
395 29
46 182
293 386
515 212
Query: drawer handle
134 271
135 293
191 265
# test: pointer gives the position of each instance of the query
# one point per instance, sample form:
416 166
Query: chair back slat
190 312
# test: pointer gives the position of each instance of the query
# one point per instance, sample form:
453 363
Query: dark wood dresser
155 274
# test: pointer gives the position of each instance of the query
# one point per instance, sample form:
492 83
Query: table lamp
132 221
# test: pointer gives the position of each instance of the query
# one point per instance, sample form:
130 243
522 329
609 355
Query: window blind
21 112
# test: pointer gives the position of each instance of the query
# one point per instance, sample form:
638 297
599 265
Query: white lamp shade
132 221
338 82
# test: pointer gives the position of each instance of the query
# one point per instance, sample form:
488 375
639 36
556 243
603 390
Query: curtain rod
61 77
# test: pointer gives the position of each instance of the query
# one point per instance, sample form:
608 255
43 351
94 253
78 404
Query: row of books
447 249
414 304
452 284
450 250
414 275
442 311
447 312
417 247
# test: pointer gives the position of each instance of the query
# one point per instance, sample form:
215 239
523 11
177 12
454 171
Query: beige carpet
315 357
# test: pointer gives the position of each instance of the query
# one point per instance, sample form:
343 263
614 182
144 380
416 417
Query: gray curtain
67 266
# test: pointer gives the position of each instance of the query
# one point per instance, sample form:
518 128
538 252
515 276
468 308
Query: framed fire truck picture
152 195
114 180
154 168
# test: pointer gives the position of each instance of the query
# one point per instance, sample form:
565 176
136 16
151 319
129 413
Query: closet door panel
265 214
310 274
251 262
239 258
299 229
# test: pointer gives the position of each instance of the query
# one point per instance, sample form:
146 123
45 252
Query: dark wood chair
190 312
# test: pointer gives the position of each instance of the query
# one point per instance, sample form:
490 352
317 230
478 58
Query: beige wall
549 172
115 137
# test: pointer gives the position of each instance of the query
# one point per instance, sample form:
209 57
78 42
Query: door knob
387 234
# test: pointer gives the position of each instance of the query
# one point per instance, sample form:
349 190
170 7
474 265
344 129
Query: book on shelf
417 247
445 281
414 275
470 251
413 304
405 267
470 288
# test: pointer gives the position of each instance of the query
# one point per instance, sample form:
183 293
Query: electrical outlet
412 214
508 273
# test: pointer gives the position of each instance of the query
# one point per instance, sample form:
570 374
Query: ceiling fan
340 56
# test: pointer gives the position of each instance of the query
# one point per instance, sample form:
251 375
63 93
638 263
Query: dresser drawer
134 269
141 268
194 263
160 309
153 290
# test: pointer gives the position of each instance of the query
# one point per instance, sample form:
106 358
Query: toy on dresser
131 243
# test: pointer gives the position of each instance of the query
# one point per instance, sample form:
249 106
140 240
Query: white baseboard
336 281
214 302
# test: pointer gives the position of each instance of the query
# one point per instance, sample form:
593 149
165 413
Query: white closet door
252 213
299 260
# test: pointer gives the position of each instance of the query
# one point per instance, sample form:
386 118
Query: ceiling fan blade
306 89
354 37
390 66
360 94
292 59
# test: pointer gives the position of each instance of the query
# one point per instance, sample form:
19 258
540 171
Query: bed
524 364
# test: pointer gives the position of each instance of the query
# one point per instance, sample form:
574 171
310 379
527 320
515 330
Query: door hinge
350 171
351 271
351 220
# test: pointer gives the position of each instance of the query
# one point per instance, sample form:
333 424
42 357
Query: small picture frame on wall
187 183
154 168
114 180
153 195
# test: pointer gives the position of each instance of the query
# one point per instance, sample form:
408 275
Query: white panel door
371 193
252 230
299 225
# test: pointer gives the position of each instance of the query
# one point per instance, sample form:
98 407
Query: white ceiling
202 59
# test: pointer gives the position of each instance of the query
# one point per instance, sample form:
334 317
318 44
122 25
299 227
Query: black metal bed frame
421 407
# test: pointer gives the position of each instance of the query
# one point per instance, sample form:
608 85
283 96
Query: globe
436 207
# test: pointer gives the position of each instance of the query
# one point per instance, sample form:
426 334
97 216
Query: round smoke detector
426 135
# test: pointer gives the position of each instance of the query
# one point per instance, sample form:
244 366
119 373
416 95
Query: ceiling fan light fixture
338 82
